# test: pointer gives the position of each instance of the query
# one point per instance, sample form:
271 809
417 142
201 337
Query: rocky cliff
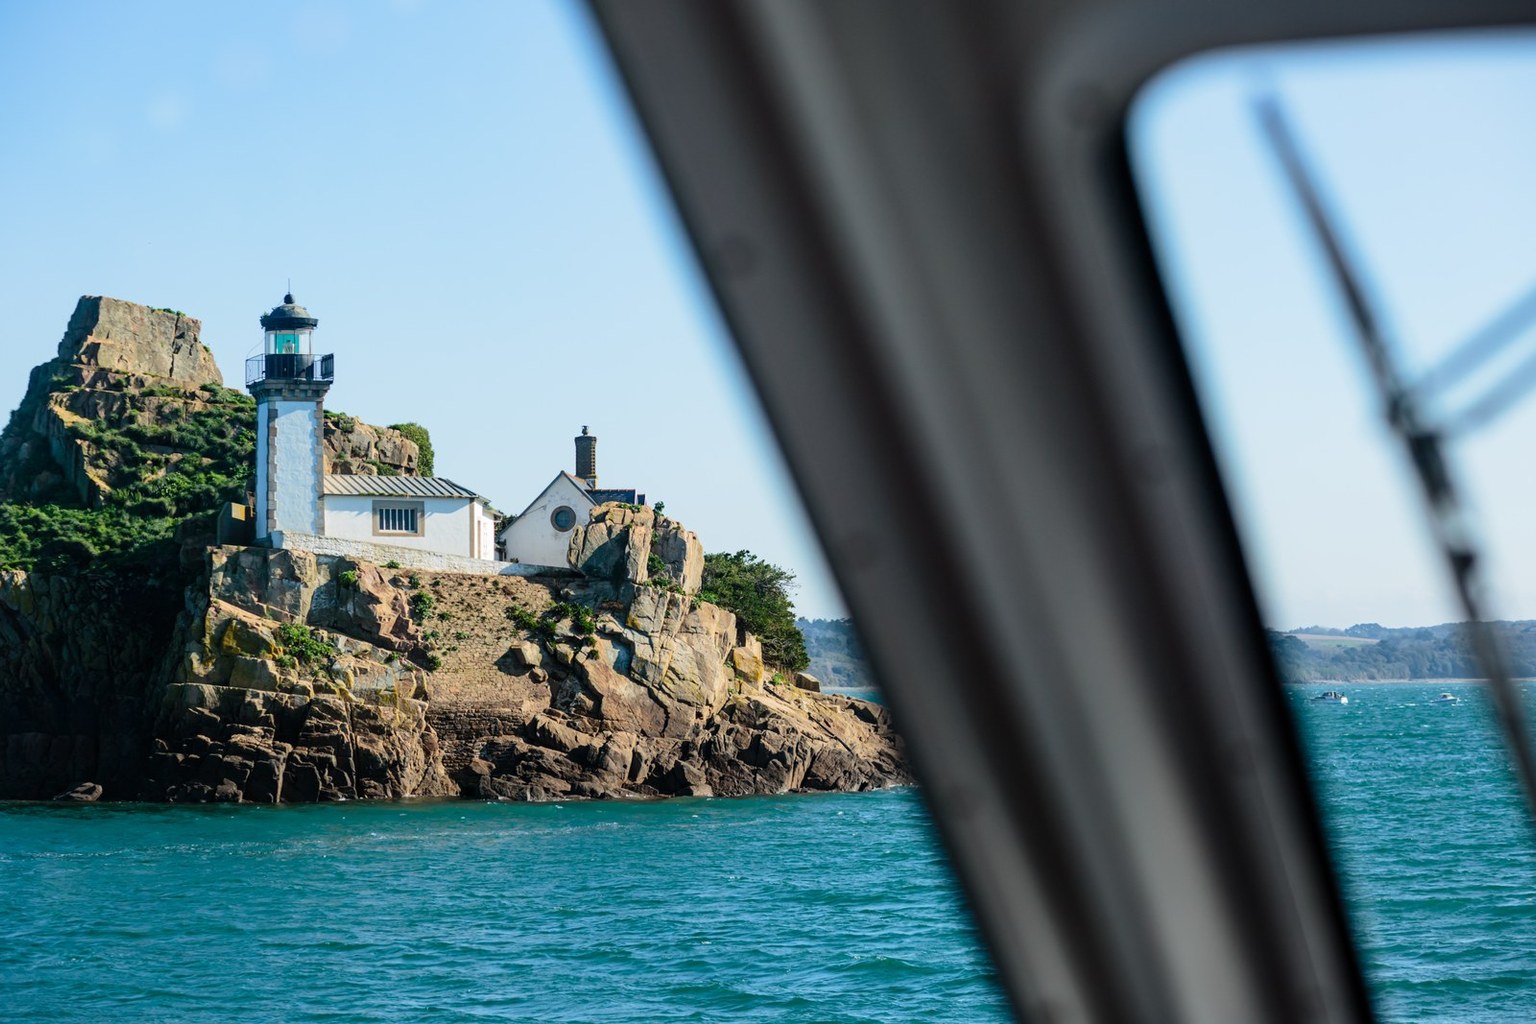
190 672
133 406
301 677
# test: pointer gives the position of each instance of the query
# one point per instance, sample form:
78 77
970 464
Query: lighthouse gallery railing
290 366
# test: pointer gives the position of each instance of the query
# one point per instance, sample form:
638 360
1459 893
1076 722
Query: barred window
397 518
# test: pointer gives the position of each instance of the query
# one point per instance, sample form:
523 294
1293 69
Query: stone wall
407 558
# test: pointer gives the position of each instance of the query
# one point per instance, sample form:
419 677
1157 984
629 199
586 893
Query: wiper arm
1423 442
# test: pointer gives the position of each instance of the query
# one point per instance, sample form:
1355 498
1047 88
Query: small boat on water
1332 697
1447 698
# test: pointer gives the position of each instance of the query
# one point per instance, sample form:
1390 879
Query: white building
298 504
427 513
541 533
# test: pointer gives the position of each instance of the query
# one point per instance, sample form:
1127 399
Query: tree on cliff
758 593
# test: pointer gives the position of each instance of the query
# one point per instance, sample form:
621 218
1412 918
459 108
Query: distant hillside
1370 651
836 658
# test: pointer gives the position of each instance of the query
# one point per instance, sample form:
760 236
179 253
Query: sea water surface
824 908
800 908
1435 852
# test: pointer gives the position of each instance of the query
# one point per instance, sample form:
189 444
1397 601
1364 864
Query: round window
563 518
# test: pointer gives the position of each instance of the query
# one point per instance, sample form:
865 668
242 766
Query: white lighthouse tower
289 383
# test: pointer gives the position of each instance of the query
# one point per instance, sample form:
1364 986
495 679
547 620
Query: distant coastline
1369 652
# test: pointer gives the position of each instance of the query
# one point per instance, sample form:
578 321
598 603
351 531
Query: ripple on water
1434 854
834 908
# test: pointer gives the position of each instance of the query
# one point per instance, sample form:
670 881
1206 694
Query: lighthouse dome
290 316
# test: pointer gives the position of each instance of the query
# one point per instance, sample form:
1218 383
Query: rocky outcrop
85 793
231 744
132 394
304 677
680 552
632 543
354 447
118 365
296 677
125 337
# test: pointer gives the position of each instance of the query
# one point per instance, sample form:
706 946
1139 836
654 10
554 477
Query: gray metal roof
396 486
289 316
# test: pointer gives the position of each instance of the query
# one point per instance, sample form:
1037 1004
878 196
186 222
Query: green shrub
391 564
422 604
55 537
522 618
580 617
433 661
300 643
348 578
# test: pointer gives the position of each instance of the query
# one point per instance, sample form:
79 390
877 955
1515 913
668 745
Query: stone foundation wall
407 558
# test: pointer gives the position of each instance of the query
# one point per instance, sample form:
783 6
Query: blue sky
1426 153
459 192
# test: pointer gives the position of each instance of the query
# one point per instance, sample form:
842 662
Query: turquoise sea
1435 851
797 909
801 908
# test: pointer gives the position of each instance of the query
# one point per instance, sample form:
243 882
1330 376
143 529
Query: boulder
680 647
681 553
615 543
524 656
621 703
806 681
747 661
85 793
371 607
619 542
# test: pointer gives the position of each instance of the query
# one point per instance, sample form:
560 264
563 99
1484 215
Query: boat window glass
489 248
1419 153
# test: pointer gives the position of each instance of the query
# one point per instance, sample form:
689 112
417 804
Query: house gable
541 533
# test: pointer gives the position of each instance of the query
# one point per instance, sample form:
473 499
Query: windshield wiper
1425 442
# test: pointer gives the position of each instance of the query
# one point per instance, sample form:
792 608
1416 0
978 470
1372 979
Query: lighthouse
289 383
